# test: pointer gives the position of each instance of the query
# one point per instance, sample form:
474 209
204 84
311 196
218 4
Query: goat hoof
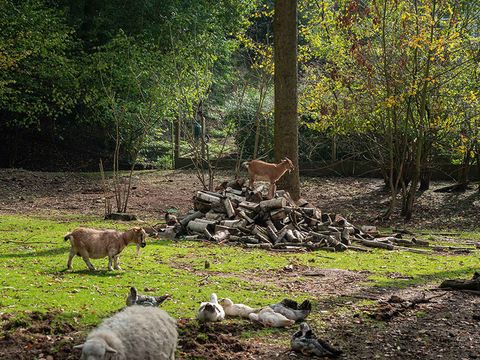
118 268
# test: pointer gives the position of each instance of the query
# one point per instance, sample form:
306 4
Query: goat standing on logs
258 169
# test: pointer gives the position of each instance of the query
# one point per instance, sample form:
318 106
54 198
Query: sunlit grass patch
33 272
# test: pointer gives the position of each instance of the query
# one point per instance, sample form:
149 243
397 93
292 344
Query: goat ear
109 349
80 347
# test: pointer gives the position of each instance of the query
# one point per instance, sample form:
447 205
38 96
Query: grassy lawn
33 259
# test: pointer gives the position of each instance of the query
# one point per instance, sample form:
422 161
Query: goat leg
70 258
89 264
110 261
116 263
251 180
271 190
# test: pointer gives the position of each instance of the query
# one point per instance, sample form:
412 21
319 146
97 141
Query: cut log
221 236
375 244
190 217
272 204
214 216
236 198
298 235
197 226
311 212
234 223
418 242
249 206
278 214
213 193
461 284
208 197
272 231
206 221
207 234
282 233
345 236
229 208
402 242
244 216
290 237
371 230
231 230
234 191
249 240
200 205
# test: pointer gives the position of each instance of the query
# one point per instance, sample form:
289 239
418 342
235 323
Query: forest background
394 83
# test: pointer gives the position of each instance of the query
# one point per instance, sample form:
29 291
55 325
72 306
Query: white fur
137 332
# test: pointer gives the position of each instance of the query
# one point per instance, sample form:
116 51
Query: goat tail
246 163
67 237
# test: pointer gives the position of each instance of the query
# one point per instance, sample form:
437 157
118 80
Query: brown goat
258 169
97 244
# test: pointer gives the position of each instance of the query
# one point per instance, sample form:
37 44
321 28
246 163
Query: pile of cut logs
235 214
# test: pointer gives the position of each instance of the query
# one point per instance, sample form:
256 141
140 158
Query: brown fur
258 169
97 244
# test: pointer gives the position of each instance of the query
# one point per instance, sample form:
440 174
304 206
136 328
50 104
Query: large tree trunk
286 119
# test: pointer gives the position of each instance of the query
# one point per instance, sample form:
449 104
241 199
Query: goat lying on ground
258 169
97 244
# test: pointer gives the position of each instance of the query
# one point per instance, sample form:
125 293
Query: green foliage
38 78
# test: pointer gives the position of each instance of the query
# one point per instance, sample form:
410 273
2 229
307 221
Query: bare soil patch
359 199
37 336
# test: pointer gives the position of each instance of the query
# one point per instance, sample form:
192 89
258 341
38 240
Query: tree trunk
425 177
286 121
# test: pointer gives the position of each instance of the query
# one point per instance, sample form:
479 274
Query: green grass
33 259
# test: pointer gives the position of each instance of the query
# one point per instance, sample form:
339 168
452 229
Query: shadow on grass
99 273
48 252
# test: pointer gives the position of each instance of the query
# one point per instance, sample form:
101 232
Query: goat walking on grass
97 244
258 169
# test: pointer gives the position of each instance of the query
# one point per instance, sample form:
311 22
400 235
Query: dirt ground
360 200
446 327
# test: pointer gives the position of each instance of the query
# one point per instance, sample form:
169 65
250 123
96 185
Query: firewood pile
237 215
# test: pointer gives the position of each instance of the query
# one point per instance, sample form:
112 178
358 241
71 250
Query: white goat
258 169
97 244
137 332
